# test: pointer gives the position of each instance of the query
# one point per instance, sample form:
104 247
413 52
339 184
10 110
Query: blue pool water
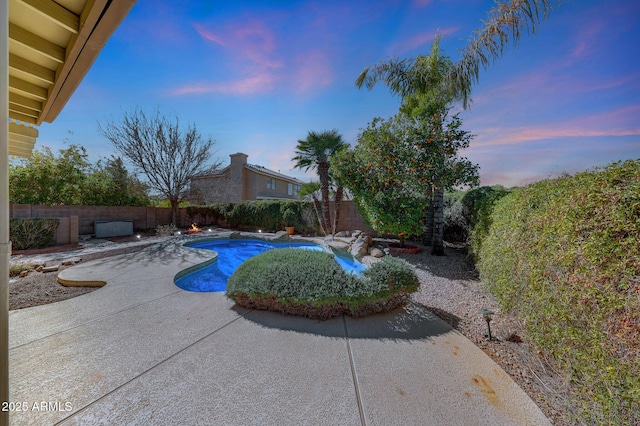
231 253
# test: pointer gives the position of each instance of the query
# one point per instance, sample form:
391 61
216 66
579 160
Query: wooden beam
43 74
36 43
22 117
18 129
21 140
56 13
19 109
99 22
28 88
25 102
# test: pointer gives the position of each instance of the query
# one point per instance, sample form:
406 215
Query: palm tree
506 22
421 84
440 81
315 152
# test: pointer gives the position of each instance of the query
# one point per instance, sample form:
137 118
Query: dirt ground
450 288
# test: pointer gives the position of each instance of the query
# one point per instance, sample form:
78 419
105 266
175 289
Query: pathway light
488 316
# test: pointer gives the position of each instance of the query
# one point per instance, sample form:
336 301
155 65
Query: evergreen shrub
313 284
267 215
564 255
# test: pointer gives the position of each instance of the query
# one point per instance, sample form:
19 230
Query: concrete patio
142 351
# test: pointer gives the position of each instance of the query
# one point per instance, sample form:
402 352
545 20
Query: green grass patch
564 254
313 284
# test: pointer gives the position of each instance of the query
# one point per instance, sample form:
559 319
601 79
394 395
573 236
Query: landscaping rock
24 274
281 236
376 252
50 268
71 261
339 245
234 234
359 247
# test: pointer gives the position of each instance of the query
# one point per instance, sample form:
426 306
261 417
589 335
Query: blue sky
256 76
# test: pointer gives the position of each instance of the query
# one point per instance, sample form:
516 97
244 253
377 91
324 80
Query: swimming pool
231 253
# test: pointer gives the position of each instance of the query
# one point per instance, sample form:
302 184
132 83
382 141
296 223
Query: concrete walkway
141 351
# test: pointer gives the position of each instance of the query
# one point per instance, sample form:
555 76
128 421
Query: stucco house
243 181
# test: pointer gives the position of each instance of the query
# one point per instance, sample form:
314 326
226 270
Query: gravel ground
450 288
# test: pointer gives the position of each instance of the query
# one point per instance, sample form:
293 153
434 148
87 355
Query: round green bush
313 284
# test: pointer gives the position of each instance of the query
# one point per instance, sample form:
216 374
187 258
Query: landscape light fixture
488 316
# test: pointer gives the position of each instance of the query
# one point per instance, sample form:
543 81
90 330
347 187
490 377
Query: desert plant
166 230
31 233
16 269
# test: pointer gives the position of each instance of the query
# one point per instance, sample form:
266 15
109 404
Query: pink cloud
312 71
208 35
252 41
620 122
261 83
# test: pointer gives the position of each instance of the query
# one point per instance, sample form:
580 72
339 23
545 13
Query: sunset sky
256 76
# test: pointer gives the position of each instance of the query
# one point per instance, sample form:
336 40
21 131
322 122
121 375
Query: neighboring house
242 181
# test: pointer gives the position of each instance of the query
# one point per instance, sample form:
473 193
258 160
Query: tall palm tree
421 84
314 153
435 78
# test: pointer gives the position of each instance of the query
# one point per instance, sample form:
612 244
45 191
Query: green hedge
32 233
477 206
564 254
313 284
254 215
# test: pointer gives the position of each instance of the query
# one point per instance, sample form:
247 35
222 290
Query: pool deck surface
141 351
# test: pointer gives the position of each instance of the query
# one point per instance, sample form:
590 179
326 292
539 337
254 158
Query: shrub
16 269
289 217
564 254
477 206
456 228
313 284
166 230
32 233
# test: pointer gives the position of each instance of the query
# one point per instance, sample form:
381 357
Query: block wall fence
79 220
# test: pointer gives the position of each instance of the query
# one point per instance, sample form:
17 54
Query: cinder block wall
79 220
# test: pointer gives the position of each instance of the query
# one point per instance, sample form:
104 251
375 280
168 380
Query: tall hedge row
564 254
268 215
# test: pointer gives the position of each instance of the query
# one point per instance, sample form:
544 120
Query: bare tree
167 156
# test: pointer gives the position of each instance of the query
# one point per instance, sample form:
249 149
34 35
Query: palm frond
506 23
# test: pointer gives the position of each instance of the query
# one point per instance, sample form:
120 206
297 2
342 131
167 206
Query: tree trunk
427 238
438 222
174 212
323 174
336 209
318 207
